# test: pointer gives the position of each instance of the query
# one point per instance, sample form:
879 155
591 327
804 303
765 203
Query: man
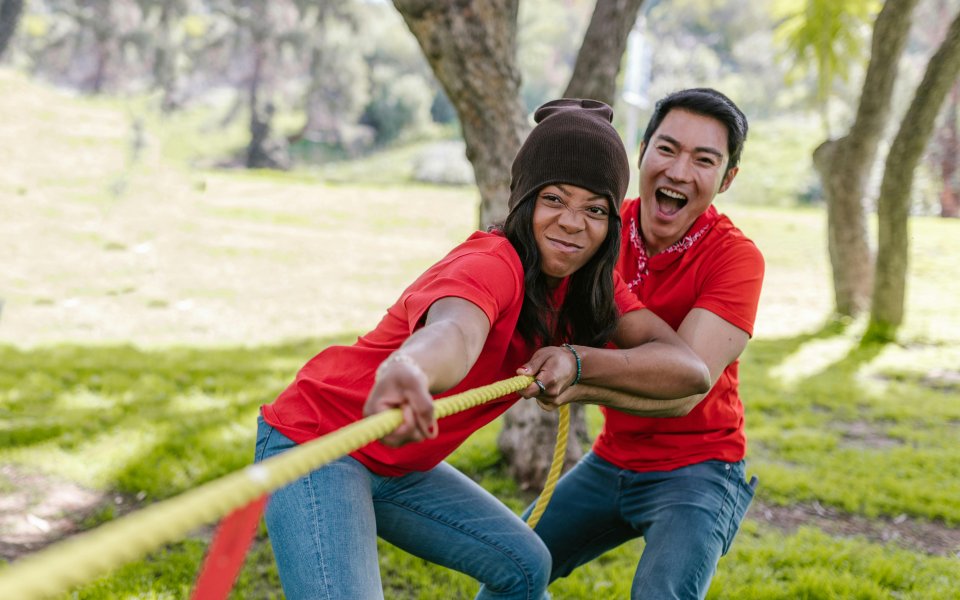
671 471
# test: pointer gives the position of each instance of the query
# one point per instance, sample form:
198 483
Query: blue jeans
324 527
688 518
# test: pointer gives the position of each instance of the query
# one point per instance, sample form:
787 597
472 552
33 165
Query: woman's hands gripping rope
555 369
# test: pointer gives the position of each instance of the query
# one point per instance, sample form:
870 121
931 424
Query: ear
728 179
643 146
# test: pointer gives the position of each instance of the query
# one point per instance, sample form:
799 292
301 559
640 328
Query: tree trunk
471 47
165 59
946 156
10 11
844 164
527 440
263 151
894 204
259 117
949 201
598 62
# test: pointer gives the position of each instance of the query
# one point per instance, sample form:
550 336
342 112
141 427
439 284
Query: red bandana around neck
696 232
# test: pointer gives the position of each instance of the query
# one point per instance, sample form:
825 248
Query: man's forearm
653 371
628 403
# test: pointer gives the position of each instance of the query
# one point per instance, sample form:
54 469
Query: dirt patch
37 510
912 534
863 434
945 380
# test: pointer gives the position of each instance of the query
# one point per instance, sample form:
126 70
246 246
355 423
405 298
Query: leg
689 518
582 520
445 517
322 528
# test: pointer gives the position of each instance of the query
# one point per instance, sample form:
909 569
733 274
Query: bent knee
525 575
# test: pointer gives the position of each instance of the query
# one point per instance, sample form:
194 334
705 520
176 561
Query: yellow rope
559 452
86 556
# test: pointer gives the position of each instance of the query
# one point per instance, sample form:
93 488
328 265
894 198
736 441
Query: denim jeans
688 518
323 529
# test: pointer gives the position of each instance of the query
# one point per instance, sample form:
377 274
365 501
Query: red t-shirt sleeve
731 289
626 300
487 280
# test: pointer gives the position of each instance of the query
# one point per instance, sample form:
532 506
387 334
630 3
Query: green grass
160 422
137 346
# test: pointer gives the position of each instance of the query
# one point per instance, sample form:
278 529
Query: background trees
893 205
10 11
845 164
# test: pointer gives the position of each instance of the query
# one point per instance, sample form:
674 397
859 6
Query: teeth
672 194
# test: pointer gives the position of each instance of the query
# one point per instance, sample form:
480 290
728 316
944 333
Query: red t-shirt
714 267
331 389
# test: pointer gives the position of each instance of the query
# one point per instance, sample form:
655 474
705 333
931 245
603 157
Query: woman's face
569 225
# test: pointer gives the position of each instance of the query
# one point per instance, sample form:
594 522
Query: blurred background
198 195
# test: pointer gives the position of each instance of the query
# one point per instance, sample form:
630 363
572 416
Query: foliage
399 103
825 37
547 45
775 167
330 63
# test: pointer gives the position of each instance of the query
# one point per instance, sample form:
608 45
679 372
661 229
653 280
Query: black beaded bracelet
576 355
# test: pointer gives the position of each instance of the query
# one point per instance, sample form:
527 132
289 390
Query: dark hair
589 313
709 103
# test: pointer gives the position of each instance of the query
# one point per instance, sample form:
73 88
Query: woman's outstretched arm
433 359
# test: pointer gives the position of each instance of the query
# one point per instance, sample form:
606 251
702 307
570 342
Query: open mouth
670 202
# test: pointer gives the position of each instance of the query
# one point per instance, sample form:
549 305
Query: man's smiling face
681 172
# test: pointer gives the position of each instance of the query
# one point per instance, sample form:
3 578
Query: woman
473 318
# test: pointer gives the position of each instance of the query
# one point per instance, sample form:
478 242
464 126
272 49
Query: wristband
576 355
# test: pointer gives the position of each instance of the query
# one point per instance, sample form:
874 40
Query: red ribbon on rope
227 551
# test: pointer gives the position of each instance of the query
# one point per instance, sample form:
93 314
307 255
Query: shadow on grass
775 370
826 426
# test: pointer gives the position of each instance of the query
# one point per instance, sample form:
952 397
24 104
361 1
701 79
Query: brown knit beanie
573 142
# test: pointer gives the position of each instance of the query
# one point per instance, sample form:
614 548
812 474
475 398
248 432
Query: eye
707 161
551 199
665 149
597 211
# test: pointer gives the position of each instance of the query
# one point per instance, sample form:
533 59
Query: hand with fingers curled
401 383
555 369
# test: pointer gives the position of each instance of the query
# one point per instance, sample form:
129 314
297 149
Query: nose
679 169
571 220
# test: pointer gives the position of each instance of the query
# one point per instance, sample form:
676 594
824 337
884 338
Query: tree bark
947 154
165 58
10 11
844 164
894 204
527 441
598 62
471 47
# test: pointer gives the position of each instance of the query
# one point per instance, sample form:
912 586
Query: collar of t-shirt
659 261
